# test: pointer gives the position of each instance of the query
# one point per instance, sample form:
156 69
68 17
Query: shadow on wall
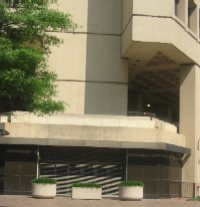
106 86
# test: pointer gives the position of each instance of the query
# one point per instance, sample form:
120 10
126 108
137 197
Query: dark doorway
2 164
71 165
18 168
157 169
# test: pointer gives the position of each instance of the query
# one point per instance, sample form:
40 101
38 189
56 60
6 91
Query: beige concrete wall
190 119
154 7
126 40
103 60
94 16
88 120
76 128
91 56
106 90
127 12
69 59
146 7
72 93
92 76
106 98
59 133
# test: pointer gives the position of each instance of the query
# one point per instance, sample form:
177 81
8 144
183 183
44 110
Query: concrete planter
43 190
6 117
86 193
3 118
131 192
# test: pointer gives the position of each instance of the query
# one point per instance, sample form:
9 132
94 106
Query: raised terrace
90 130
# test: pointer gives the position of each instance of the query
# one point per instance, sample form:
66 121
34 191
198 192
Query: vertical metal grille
71 165
157 170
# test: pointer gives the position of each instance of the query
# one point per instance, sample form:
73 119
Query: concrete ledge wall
92 128
35 132
90 120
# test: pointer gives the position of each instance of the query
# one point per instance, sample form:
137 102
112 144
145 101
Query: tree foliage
27 32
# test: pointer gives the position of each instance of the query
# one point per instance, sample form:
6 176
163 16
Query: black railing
138 113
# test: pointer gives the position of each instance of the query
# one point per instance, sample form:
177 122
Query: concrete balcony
92 131
150 27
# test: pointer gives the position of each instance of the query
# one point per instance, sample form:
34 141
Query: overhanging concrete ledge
94 143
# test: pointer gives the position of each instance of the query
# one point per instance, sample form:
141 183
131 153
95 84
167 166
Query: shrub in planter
90 191
44 188
131 190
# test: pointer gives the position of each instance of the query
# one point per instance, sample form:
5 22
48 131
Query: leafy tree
27 32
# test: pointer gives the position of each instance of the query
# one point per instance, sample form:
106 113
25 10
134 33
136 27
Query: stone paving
27 201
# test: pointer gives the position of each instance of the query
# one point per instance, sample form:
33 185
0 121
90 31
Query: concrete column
190 118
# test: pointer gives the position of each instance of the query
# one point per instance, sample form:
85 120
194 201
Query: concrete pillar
190 118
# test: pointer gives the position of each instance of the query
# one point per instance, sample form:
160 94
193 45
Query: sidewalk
27 201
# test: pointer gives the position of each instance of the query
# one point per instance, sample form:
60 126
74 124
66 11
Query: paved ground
27 201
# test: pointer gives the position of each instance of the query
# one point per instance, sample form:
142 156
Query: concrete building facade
131 79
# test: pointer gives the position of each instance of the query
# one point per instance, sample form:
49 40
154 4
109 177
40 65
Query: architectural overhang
95 143
155 28
149 35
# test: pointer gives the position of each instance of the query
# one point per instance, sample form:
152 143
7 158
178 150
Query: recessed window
177 2
180 6
199 23
192 16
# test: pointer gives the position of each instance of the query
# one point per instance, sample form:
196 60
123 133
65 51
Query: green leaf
131 183
25 82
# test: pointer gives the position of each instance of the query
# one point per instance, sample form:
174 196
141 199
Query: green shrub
131 183
197 198
44 181
86 185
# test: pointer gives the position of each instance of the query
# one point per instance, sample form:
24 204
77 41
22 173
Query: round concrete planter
43 190
131 192
86 193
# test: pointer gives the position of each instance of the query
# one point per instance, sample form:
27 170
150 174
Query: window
180 8
177 4
192 16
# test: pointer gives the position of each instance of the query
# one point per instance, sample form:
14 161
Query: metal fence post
180 190
194 190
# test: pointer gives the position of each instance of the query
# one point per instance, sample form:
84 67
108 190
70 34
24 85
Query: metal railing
138 113
183 189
